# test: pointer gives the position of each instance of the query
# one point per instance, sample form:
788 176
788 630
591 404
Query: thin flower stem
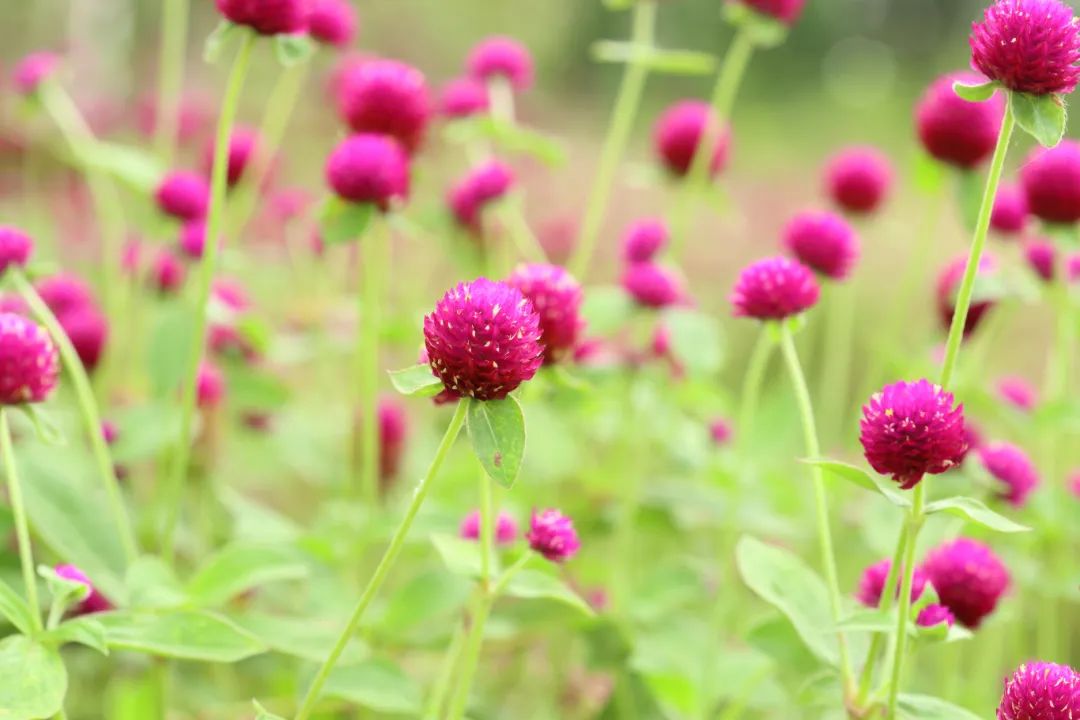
625 110
446 672
178 467
813 449
888 592
22 528
387 562
373 261
900 642
487 528
174 25
754 380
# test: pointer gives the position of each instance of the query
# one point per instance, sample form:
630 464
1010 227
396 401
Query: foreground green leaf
977 512
33 681
417 380
1041 116
925 707
341 222
867 481
183 634
975 93
377 685
535 584
239 568
497 431
15 608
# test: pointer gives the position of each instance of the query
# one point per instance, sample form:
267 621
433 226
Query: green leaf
606 309
975 93
15 609
977 512
375 684
461 557
695 341
167 351
763 30
184 634
924 707
669 62
47 430
869 620
417 380
431 599
342 222
293 49
239 568
929 173
786 583
262 713
307 638
34 681
215 42
152 584
62 590
137 168
497 431
510 137
1041 116
85 630
867 481
254 389
534 584
144 431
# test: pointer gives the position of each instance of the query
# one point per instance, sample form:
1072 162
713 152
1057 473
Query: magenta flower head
34 69
94 602
483 340
463 97
1050 178
29 364
167 273
678 132
332 22
932 615
652 285
1041 691
824 242
773 289
387 97
1018 392
88 331
243 144
209 386
15 248
1030 46
786 11
1074 483
948 284
552 535
872 583
393 430
969 579
954 130
64 293
911 429
1011 467
502 57
482 186
369 168
858 179
720 431
556 297
1010 213
193 238
644 239
267 17
1041 256
183 195
506 527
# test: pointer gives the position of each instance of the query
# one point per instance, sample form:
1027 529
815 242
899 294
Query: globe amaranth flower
332 22
15 248
643 239
1030 46
679 131
393 432
858 179
948 284
932 615
463 97
824 242
1041 257
1050 178
912 429
267 17
369 168
652 285
485 184
872 583
786 11
552 535
556 297
1041 691
720 431
243 146
386 97
773 289
483 340
167 273
63 293
94 601
1018 392
954 130
1009 215
29 364
506 527
209 386
502 57
1072 268
183 195
88 330
1011 467
1073 483
969 579
34 69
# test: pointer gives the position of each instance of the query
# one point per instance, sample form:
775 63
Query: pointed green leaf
541 585
184 634
867 481
34 681
216 41
497 431
925 707
417 380
308 638
341 222
137 168
1041 116
15 609
293 49
152 584
461 557
262 713
975 93
375 684
868 620
977 512
239 568
763 30
85 630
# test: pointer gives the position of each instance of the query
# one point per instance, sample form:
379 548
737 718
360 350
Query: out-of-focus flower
332 22
679 131
1018 392
556 297
643 239
1050 178
369 168
183 195
824 242
872 583
652 285
506 528
948 284
502 57
94 602
969 579
386 97
1010 213
463 97
16 247
858 179
267 17
34 69
1010 466
932 615
954 130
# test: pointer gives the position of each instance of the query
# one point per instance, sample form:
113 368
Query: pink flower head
973 437
1030 46
786 11
1010 213
287 204
773 289
556 297
231 294
167 273
209 386
15 248
369 168
183 195
193 239
652 285
34 69
911 429
1041 691
506 527
109 432
824 242
243 145
64 293
393 430
932 615
954 130
88 331
267 17
482 186
1072 268
1074 483
552 535
483 340
332 22
29 364
858 179
969 579
644 239
502 57
720 431
872 583
1018 392
386 97
1011 467
94 602
678 132
948 283
463 97
1051 181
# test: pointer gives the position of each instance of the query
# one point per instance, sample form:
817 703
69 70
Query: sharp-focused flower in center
824 242
552 535
1030 46
1041 691
969 579
556 296
1010 466
774 289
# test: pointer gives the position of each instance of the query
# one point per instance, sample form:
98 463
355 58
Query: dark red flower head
167 273
824 242
858 179
911 429
483 340
1051 181
774 289
502 57
786 11
552 535
243 144
88 331
94 601
1010 466
463 97
15 248
948 284
954 130
652 285
1041 691
1041 256
34 69
387 97
678 132
332 22
872 583
393 431
1030 46
969 579
644 239
64 293
1010 212
369 168
209 386
267 17
482 186
183 195
556 296
29 364
932 615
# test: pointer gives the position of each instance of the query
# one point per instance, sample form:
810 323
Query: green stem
174 25
446 673
813 449
88 408
900 642
627 101
754 380
22 528
369 316
387 562
513 218
888 592
174 486
487 530
501 93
